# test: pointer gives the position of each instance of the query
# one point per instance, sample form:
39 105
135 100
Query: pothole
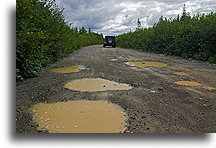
188 83
147 64
181 73
97 84
74 68
82 116
192 83
135 59
208 87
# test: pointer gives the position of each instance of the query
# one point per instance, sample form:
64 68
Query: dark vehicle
109 41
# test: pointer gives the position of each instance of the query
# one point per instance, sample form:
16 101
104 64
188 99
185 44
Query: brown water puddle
135 59
181 73
147 64
79 117
92 85
188 83
208 87
74 68
192 83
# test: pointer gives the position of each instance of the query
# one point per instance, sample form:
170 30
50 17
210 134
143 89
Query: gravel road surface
155 104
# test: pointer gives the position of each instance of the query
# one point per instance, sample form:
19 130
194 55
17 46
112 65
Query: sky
115 17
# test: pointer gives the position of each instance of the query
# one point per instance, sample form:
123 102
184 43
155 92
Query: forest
43 36
190 37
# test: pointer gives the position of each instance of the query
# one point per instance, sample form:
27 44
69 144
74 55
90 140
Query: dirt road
168 95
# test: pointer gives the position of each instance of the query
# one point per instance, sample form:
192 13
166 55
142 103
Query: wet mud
181 73
93 85
147 64
82 116
71 69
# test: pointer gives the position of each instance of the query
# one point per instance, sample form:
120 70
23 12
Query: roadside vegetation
43 36
190 37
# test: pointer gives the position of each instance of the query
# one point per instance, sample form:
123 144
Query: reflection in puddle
79 117
181 73
97 84
192 83
74 68
147 64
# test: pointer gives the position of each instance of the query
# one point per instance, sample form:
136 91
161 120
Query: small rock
135 85
153 91
204 105
160 88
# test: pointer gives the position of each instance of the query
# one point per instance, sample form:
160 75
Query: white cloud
114 17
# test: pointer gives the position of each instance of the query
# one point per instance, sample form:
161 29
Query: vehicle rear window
109 38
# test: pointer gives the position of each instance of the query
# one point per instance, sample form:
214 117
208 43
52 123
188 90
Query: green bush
43 36
186 36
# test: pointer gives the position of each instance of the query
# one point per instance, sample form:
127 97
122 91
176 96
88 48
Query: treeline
190 37
43 36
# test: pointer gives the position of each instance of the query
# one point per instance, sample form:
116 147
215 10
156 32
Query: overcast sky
114 17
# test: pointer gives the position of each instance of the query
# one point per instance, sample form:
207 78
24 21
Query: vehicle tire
104 45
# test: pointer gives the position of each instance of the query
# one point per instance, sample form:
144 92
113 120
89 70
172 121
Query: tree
138 24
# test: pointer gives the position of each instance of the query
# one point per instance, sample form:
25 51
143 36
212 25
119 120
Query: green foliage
43 36
186 36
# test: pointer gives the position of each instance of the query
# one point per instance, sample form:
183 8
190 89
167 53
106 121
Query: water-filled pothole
181 73
208 87
135 59
82 116
192 83
147 64
74 68
188 83
97 84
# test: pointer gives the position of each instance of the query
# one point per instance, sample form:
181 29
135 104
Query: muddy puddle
81 116
97 84
188 83
208 87
135 59
181 73
147 64
74 68
192 83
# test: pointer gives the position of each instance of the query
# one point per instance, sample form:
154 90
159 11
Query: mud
135 59
147 64
82 116
74 68
181 73
93 85
191 83
188 83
